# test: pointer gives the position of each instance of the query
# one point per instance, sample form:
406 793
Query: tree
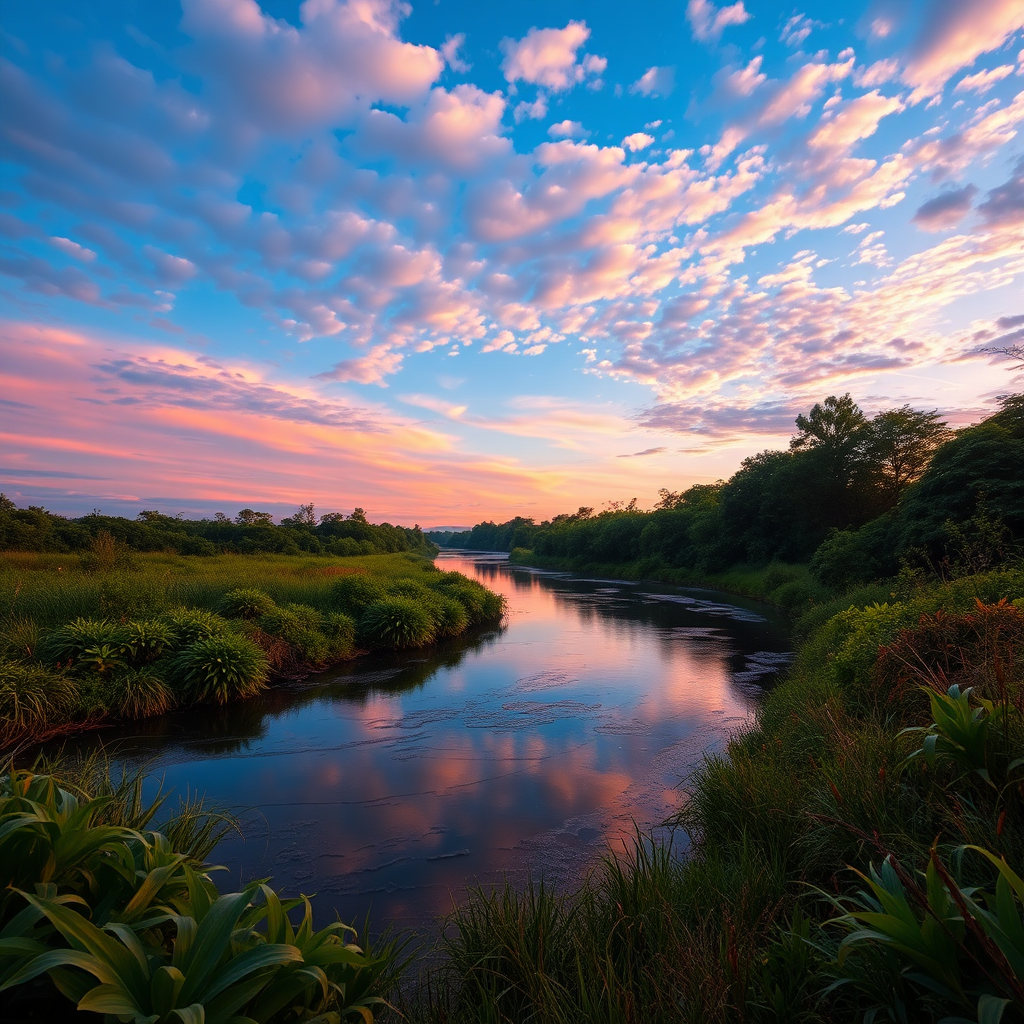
900 443
358 515
305 515
834 427
247 517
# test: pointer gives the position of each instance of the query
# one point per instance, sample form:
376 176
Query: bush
19 638
351 594
396 623
245 603
300 632
138 693
450 618
146 641
190 625
33 700
220 668
68 645
340 630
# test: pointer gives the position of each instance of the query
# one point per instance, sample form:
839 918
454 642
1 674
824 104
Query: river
392 782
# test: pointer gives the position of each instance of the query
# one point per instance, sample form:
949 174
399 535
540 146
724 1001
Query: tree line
852 495
250 532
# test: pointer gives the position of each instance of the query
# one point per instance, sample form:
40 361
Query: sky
452 261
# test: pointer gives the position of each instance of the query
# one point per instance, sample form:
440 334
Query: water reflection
396 780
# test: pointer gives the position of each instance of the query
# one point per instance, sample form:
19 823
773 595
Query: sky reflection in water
397 780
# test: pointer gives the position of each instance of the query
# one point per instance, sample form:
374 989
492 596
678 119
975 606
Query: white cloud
547 57
450 51
655 81
983 80
568 130
637 141
708 22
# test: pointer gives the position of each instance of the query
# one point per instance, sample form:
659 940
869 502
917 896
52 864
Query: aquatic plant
396 622
219 668
450 617
139 693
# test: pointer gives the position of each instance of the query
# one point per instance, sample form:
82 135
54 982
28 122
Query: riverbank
786 586
82 646
857 854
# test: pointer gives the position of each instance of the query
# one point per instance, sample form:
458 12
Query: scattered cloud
946 210
655 81
708 22
548 57
637 141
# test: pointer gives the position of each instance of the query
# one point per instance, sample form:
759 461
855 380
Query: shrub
138 693
68 644
145 641
340 630
190 625
33 699
220 668
245 603
450 618
294 629
351 594
396 623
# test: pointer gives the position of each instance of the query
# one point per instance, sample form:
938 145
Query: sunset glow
450 262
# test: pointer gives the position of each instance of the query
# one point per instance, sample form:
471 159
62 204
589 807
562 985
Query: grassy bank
782 584
857 855
85 639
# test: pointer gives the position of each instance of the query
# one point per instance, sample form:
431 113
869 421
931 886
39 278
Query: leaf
991 1009
110 999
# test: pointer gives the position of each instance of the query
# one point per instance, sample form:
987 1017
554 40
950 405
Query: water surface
394 781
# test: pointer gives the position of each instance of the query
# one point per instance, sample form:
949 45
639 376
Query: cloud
955 34
637 141
946 210
646 451
345 57
1004 205
708 22
535 111
983 80
547 57
450 51
655 81
372 368
568 130
73 249
796 30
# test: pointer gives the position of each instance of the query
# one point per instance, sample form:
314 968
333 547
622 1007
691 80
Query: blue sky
450 261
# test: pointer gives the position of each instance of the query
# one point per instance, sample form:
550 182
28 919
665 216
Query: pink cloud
708 22
345 56
655 81
983 80
547 57
955 34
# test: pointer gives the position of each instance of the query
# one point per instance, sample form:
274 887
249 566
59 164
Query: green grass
80 644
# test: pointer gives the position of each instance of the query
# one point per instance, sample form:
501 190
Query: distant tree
305 515
899 444
149 516
358 515
247 517
219 517
834 427
333 517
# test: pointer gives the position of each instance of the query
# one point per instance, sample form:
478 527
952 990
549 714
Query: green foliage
189 626
219 668
139 693
33 699
450 617
124 925
143 642
80 639
245 603
395 623
351 594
